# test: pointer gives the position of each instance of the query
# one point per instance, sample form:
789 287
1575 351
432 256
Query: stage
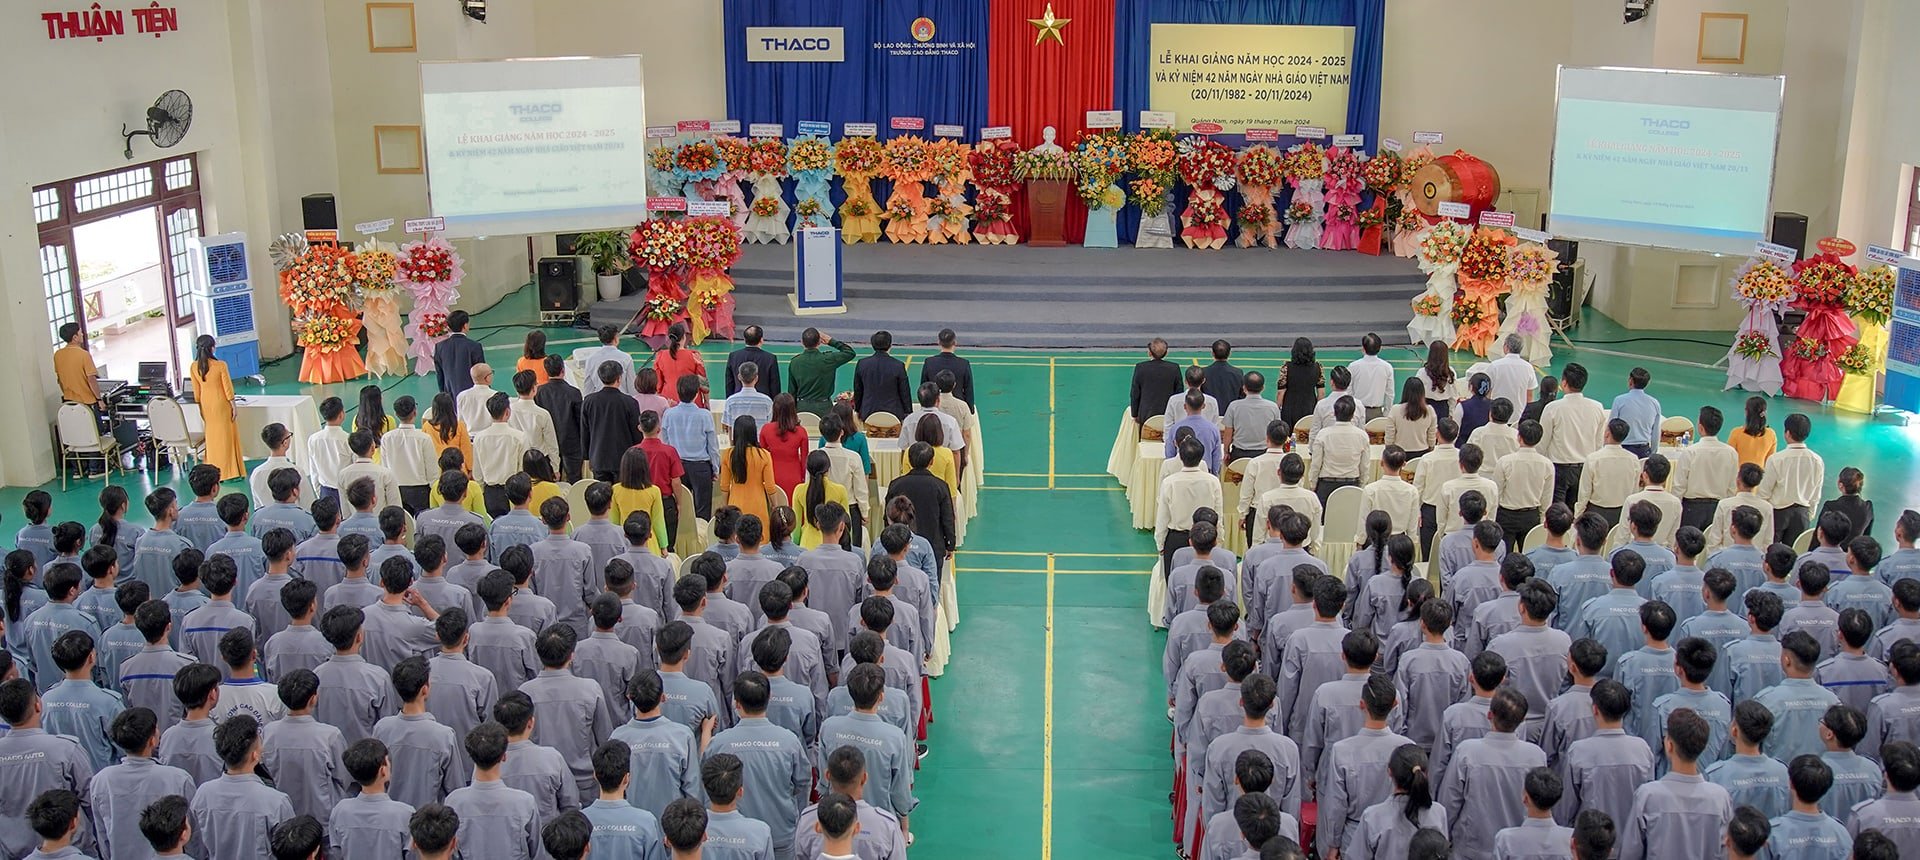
1018 296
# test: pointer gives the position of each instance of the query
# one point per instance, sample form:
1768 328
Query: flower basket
431 272
1870 298
1858 360
1205 220
1373 227
1754 346
992 164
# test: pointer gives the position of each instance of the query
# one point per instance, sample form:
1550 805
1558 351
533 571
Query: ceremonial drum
1456 178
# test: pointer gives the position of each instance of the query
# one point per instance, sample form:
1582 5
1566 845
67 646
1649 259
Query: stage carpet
1017 296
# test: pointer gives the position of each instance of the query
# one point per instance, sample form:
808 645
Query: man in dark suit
562 402
609 424
752 354
1155 381
945 359
1225 383
932 502
880 381
455 357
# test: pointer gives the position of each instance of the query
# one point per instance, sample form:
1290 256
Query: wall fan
167 121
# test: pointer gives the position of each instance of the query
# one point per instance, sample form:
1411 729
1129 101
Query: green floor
1050 737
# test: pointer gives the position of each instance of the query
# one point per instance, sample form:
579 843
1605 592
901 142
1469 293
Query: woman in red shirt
674 362
786 440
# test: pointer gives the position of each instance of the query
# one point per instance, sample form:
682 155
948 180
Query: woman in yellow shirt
634 493
1754 441
446 430
746 472
929 431
545 484
813 492
471 498
213 388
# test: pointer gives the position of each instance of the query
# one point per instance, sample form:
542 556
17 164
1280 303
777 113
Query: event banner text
1252 76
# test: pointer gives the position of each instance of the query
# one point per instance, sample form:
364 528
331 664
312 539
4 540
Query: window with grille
179 173
183 226
56 279
46 205
171 185
126 186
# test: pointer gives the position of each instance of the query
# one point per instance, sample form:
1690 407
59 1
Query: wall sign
97 24
426 225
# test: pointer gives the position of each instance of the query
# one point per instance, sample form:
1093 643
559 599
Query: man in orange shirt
73 368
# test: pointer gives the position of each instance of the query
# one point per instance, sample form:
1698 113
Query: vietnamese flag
1031 86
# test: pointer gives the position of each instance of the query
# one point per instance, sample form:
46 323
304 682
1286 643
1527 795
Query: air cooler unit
223 301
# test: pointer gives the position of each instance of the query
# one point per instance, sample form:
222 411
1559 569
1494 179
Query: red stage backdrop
1032 86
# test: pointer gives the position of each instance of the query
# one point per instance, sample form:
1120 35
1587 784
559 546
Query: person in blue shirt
1558 521
122 640
1741 558
1681 586
1203 428
620 829
1902 563
57 617
1643 522
164 824
1753 663
683 826
249 560
1641 412
1861 589
55 818
1613 619
1747 834
1797 702
23 596
518 527
1753 778
568 836
36 536
1693 662
1805 832
1856 778
1649 671
1587 576
77 708
1718 626
154 552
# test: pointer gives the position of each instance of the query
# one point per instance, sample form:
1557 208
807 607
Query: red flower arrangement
426 264
766 207
1822 280
858 156
1485 257
992 163
1205 163
1382 171
659 244
664 309
1262 166
1255 215
433 325
767 156
992 205
1299 212
697 158
1753 345
1807 349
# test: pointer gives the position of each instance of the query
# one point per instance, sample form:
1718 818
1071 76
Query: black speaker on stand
559 285
319 218
1560 307
1790 229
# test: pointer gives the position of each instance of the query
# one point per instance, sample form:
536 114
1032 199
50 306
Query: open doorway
114 252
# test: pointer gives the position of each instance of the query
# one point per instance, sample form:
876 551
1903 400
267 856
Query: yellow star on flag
1049 26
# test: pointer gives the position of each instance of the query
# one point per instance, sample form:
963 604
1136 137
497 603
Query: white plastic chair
1340 526
1377 430
81 440
882 425
576 496
1618 538
811 423
169 422
1804 542
1155 429
1673 429
1535 536
686 539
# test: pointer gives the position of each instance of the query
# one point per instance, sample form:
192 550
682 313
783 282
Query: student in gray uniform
430 556
1906 624
250 563
1217 713
1353 774
1613 618
188 595
573 711
1570 714
433 831
234 813
1717 626
563 570
789 705
1693 662
32 762
1588 575
299 645
775 762
600 535
451 516
722 611
263 600
199 521
1603 769
1188 631
119 793
1537 836
188 744
709 648
805 651
1255 732
1750 777
1806 831
535 769
1501 612
460 692
75 707
879 837
1747 834
568 837
1535 653
664 754
392 543
683 827
730 834
750 571
368 823
122 640
50 621
471 541
55 818
1270 576
354 694
302 753
1856 778
427 769
1797 702
621 830
154 549
685 700
317 559
201 630
1483 784
1852 675
302 837
888 750
1812 614
354 588
652 574
904 628
496 820
244 691
1897 813
285 511
1337 711
1226 838
1467 719
498 644
836 824
166 826
400 624
1648 671
1753 662
1386 829
1430 678
1201 673
1479 583
518 526
1312 656
836 578
102 566
605 660
529 609
1681 814
812 620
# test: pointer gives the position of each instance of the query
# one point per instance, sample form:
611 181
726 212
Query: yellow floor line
1046 743
1052 411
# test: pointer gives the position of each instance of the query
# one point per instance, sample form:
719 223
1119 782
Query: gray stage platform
1075 297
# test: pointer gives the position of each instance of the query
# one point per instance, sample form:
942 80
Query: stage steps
1083 298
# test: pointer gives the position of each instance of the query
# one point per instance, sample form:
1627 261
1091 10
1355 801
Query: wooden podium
1047 212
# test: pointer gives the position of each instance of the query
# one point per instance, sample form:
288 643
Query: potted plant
608 248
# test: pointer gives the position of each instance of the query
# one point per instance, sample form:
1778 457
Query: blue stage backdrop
887 71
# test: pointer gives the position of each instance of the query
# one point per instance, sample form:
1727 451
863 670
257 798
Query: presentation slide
1246 76
535 146
1666 159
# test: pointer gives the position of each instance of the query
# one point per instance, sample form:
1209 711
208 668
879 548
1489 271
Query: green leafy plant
608 249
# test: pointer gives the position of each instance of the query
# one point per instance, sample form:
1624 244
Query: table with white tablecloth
254 412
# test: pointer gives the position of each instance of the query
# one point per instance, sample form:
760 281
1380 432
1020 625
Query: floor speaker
317 212
1560 292
1790 229
559 284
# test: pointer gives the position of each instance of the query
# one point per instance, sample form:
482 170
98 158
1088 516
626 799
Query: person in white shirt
1514 377
1182 493
279 441
1570 430
1796 476
1654 472
1263 473
408 451
1372 378
1525 479
608 350
1195 377
1703 472
1431 474
532 420
1471 459
1393 493
471 404
497 452
1497 438
1293 470
1750 476
1323 416
1338 452
386 490
327 450
1609 476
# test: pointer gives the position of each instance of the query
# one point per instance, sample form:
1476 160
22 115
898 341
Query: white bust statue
1046 142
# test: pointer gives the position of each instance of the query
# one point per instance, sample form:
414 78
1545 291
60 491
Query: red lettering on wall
97 23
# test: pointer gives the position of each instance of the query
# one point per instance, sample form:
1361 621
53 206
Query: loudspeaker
1560 292
1790 229
559 284
317 212
563 243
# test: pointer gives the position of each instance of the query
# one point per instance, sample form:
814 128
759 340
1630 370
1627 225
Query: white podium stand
816 272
